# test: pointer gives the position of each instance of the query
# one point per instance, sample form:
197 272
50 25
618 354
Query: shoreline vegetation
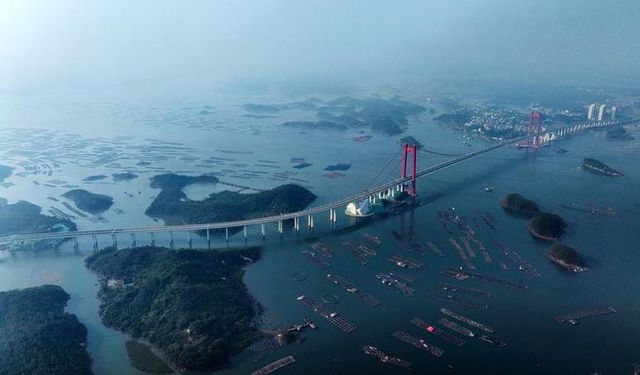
547 226
38 337
191 305
518 205
567 258
173 206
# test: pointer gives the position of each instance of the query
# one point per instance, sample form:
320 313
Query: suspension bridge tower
533 131
413 150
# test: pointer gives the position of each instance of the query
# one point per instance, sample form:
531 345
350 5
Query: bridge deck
274 219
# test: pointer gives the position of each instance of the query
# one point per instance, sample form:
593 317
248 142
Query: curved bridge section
329 210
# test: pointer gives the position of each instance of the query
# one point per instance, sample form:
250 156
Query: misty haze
319 187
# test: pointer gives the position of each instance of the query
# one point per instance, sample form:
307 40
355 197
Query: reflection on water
523 319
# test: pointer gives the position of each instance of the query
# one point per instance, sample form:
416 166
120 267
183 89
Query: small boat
489 189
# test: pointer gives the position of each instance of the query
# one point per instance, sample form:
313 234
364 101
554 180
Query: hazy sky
116 43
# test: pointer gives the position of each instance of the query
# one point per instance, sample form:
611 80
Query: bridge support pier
170 240
280 228
296 224
151 239
95 242
244 233
189 239
208 237
133 240
226 234
310 221
262 231
115 241
76 246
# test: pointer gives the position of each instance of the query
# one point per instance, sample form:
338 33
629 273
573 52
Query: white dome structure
361 210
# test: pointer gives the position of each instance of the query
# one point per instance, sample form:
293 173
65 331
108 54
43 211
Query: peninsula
189 304
173 206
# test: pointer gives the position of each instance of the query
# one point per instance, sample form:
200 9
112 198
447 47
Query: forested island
599 167
94 178
190 304
173 206
567 258
123 176
519 205
89 202
24 217
37 337
390 116
546 226
172 181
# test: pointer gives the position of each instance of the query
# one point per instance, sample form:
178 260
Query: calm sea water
523 319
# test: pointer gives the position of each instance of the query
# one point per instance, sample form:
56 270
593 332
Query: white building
601 112
592 112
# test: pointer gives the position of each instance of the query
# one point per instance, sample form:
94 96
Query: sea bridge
329 211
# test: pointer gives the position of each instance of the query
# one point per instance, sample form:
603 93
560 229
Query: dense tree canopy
37 337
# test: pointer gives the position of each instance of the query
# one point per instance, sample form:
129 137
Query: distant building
613 113
601 112
592 112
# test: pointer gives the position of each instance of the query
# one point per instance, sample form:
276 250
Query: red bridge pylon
533 130
413 150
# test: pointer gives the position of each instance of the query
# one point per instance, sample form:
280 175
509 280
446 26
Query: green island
189 304
123 176
97 177
5 172
519 205
596 166
566 257
390 116
24 217
172 181
89 202
37 337
546 226
173 206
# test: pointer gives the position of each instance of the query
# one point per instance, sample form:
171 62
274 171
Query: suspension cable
384 168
